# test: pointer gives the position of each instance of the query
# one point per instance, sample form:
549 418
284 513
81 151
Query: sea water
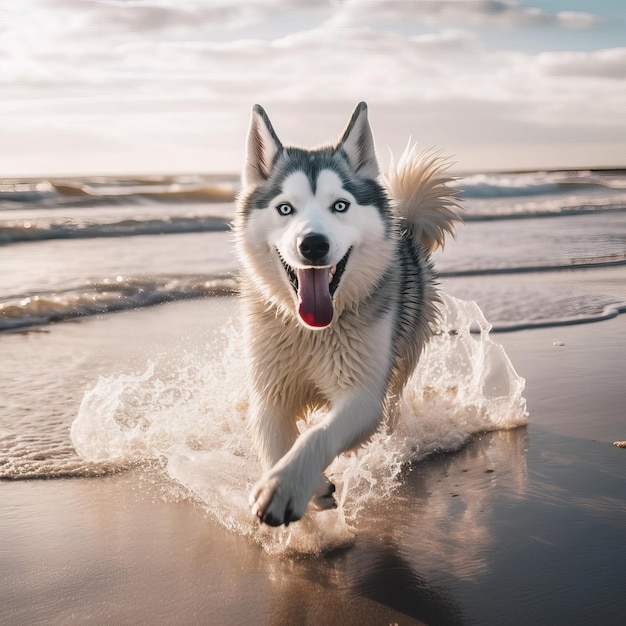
83 247
538 248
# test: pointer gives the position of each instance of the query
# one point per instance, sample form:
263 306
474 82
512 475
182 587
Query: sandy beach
520 526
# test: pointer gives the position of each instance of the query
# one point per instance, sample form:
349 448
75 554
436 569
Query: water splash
189 414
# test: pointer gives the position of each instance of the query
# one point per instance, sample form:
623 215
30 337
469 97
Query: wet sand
523 526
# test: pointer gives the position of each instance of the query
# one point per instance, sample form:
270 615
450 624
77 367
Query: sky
167 86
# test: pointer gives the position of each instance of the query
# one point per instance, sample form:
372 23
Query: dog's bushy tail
419 187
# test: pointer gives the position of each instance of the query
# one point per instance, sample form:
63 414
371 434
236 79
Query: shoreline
603 280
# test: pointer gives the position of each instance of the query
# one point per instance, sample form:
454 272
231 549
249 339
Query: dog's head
313 226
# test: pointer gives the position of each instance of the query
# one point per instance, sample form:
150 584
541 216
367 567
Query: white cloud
576 19
609 63
506 13
148 81
158 16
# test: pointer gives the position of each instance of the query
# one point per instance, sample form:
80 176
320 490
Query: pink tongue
315 304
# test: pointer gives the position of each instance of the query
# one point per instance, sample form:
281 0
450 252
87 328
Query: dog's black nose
314 247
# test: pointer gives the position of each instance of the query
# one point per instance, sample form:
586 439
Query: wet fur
385 308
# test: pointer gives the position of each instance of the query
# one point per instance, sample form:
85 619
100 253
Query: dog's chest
344 356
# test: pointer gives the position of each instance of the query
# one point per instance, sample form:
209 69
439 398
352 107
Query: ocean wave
107 296
86 191
486 197
512 305
123 293
540 210
60 193
543 210
607 313
16 231
612 260
538 183
172 193
35 229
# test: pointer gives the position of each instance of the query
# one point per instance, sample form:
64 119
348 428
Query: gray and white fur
339 298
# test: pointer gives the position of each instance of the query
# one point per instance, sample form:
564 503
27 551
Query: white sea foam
16 231
119 294
189 414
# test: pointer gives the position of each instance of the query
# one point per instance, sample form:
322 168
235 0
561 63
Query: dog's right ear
358 143
263 146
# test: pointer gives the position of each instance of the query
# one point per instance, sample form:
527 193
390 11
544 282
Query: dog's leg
283 493
274 431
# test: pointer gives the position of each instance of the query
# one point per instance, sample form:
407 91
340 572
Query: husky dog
339 298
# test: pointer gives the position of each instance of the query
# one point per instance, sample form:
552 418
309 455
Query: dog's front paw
275 501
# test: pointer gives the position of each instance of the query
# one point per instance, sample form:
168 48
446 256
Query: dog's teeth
331 274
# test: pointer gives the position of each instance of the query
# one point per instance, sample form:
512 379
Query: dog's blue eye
284 208
340 206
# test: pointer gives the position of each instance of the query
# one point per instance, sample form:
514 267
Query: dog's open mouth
315 287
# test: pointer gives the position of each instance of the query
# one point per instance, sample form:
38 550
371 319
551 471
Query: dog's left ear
358 144
263 146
